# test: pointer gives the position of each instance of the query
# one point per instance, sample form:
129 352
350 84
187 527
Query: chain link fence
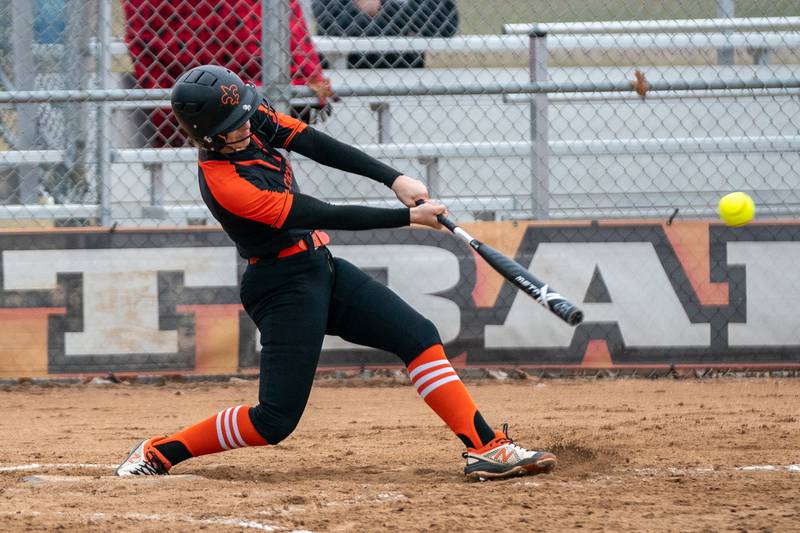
511 111
521 111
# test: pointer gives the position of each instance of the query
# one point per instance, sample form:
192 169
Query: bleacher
597 167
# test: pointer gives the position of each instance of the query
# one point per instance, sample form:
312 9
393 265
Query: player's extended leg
288 299
366 312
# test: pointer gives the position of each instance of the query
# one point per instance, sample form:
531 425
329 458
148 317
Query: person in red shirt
296 291
165 38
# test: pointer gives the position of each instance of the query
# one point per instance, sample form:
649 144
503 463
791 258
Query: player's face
238 139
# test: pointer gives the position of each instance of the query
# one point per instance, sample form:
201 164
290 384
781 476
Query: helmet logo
230 94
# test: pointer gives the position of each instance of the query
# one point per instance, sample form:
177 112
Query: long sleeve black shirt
255 197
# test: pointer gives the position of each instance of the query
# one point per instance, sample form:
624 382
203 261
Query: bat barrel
574 316
555 303
519 276
531 285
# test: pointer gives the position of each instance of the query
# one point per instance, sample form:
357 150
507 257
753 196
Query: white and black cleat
144 460
502 458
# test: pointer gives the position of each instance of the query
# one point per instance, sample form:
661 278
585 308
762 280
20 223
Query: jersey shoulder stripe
288 127
242 198
259 162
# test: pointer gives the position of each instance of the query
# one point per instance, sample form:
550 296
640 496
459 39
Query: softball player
296 291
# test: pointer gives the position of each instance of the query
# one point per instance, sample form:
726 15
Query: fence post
156 171
540 149
104 113
27 126
432 175
275 53
384 120
726 9
76 73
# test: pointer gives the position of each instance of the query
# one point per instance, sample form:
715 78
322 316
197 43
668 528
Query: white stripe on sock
426 366
219 432
436 384
427 377
228 427
235 423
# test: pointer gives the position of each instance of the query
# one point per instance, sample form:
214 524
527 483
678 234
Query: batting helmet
209 100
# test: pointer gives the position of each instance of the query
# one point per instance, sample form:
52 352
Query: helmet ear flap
215 143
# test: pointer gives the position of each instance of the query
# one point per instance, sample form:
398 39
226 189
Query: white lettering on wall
643 302
120 290
772 293
414 273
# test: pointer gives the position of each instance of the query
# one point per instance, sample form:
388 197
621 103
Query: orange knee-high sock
439 385
230 428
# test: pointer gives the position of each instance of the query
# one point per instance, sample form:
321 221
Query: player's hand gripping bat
519 276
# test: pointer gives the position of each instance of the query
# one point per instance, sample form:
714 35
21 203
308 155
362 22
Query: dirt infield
635 454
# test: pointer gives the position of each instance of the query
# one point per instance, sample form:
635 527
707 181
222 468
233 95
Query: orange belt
319 238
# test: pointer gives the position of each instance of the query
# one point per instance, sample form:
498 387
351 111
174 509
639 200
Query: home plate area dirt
635 454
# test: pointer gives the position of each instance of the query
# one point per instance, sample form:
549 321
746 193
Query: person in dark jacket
374 18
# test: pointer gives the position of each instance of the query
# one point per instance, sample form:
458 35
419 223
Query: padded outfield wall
76 301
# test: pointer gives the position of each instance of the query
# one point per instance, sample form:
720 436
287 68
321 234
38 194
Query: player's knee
280 430
274 426
421 335
426 333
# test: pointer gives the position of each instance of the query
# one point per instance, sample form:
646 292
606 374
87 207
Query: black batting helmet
209 100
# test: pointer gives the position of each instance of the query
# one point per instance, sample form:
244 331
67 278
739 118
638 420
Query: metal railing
759 34
657 26
429 155
536 39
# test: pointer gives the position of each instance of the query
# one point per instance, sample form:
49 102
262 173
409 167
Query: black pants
294 302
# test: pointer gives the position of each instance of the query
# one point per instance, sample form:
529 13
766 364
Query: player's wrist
390 182
414 215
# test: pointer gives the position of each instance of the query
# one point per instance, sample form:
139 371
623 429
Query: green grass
488 16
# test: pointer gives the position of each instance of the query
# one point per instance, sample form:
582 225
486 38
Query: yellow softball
736 209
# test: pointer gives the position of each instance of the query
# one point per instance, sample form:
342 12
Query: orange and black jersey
254 196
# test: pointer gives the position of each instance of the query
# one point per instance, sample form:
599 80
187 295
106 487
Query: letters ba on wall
77 301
